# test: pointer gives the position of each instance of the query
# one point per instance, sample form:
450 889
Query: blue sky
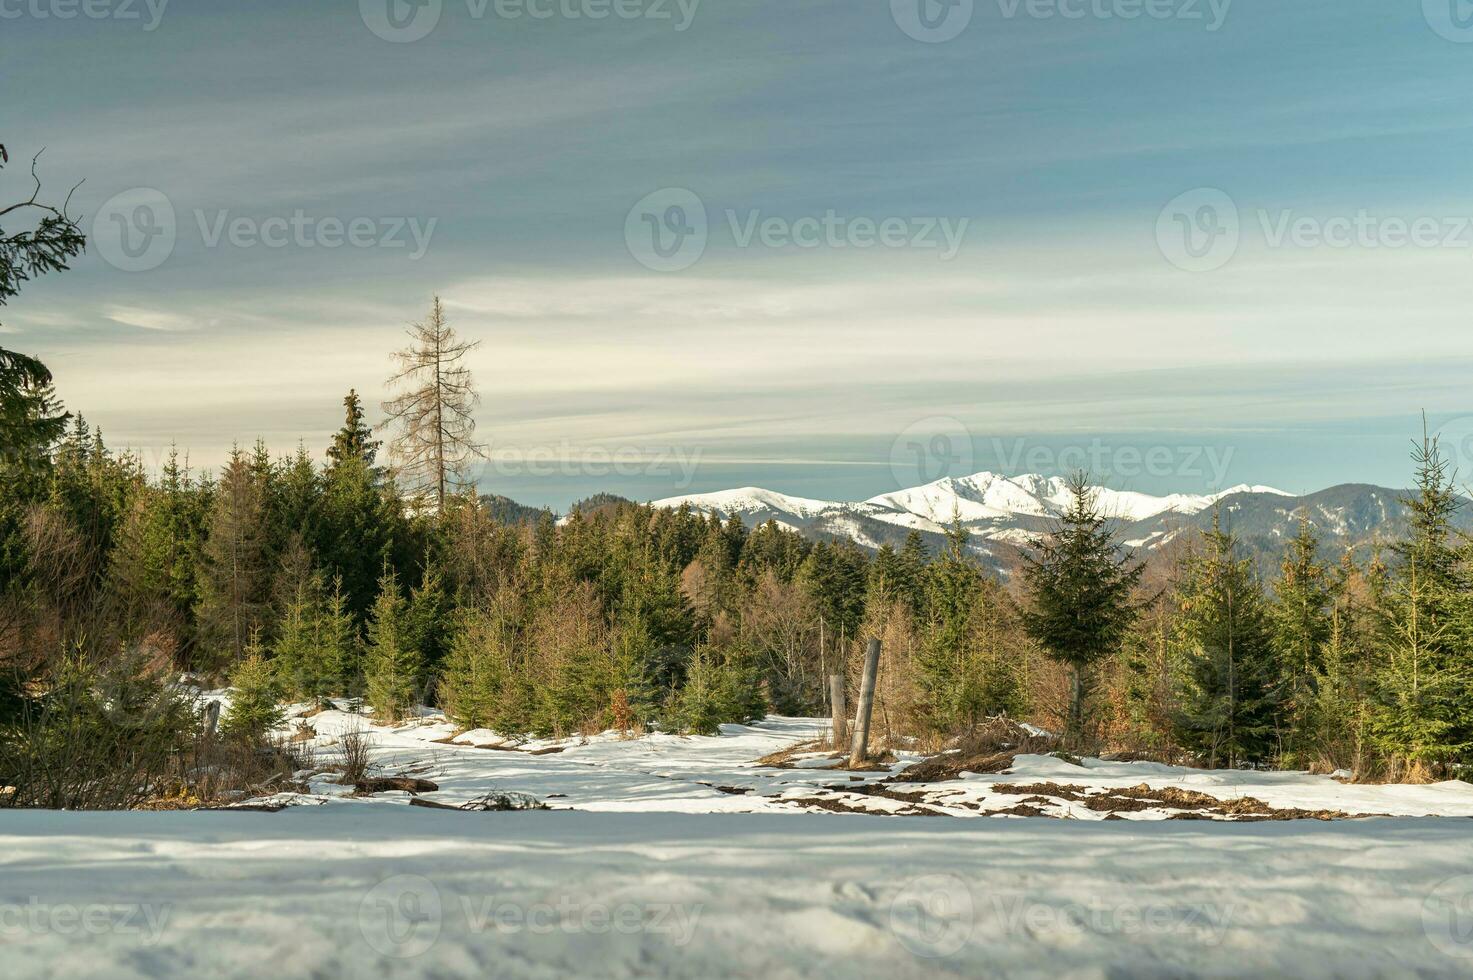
502 160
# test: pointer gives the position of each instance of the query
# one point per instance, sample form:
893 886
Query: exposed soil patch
1195 806
840 805
990 748
389 784
785 758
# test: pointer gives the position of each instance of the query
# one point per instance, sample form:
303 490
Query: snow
748 500
653 862
985 502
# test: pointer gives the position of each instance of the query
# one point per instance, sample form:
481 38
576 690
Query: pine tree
355 439
1227 640
477 667
392 665
304 663
1080 592
1301 614
1424 685
255 708
235 583
340 643
436 443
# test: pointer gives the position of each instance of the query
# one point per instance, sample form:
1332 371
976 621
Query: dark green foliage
1081 596
255 699
1423 685
392 664
99 737
1231 700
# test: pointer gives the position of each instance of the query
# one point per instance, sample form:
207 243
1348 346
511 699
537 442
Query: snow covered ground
670 856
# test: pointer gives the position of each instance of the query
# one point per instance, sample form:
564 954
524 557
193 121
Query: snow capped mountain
989 505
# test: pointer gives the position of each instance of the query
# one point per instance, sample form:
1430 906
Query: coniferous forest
379 571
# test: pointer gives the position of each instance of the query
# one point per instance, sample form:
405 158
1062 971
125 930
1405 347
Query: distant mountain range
1003 513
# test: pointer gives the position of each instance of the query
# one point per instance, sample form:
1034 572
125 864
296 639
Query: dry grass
353 756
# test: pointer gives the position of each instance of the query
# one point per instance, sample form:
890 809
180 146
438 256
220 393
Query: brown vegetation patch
1194 805
783 758
988 748
840 805
389 784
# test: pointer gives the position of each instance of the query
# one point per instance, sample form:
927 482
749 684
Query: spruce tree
235 583
1424 682
1302 616
354 441
255 708
392 665
1223 626
1080 596
476 668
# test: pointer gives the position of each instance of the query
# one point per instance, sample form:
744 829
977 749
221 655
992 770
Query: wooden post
841 716
860 747
212 717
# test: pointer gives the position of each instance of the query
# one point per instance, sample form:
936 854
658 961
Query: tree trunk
860 749
841 717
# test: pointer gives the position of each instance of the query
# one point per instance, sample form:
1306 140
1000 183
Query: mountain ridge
998 510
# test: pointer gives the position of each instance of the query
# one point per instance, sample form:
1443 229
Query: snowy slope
989 505
695 879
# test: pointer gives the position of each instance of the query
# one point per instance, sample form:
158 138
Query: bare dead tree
435 443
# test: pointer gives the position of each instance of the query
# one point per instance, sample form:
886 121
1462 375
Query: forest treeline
378 571
306 579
